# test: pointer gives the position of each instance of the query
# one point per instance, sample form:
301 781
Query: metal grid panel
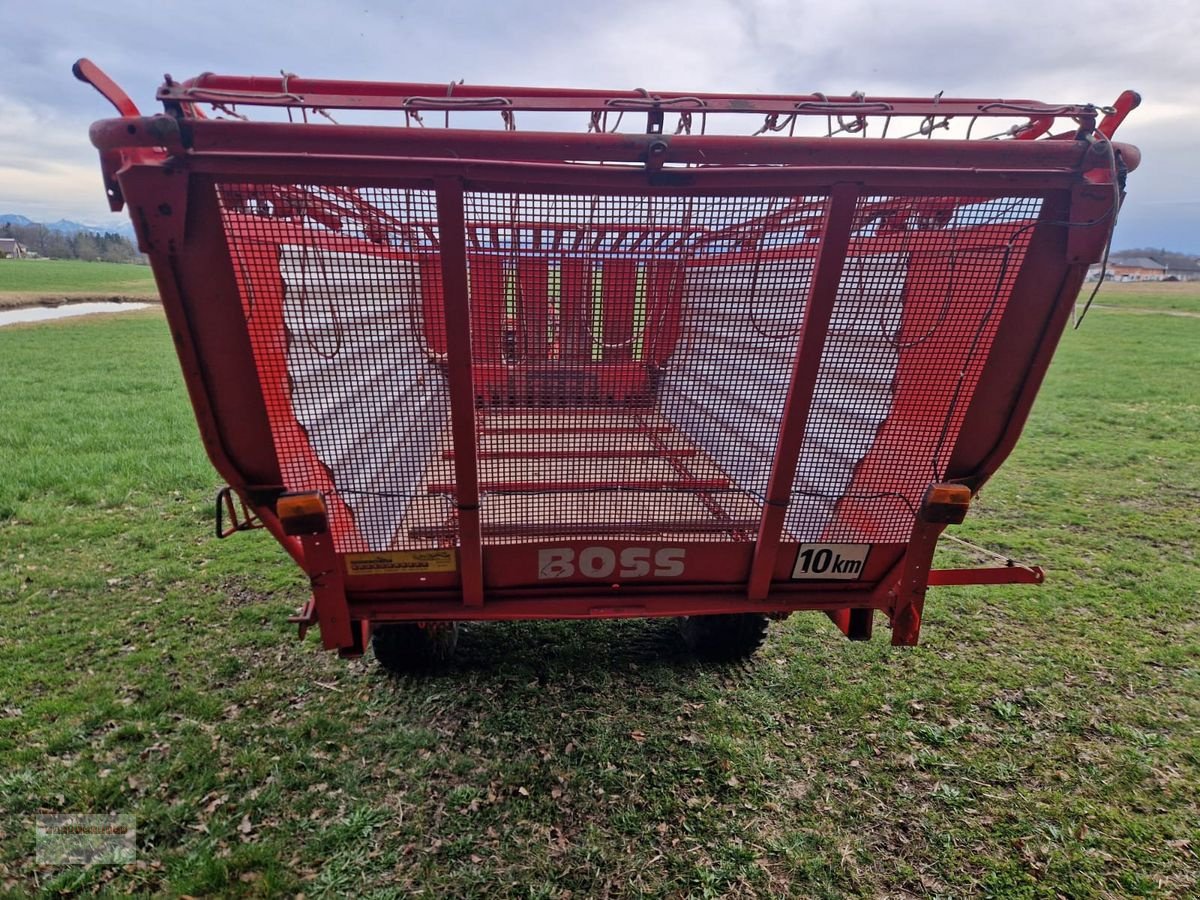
629 364
924 287
334 285
631 357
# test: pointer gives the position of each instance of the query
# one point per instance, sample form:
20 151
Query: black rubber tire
724 638
409 648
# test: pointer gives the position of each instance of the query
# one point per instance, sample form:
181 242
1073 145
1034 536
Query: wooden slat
592 430
563 419
670 529
551 471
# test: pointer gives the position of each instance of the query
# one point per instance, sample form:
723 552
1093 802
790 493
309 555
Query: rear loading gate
536 375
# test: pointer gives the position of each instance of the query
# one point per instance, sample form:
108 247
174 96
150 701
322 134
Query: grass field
1157 297
26 281
1043 741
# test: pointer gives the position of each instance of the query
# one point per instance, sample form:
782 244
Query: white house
11 248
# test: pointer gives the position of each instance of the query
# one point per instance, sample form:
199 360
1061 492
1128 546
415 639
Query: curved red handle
90 73
1123 106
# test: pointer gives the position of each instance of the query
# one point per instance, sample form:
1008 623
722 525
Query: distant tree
85 246
111 247
115 248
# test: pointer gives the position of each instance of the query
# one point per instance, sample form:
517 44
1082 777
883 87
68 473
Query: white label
603 562
826 562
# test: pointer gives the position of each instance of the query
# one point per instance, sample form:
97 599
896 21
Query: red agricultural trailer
484 355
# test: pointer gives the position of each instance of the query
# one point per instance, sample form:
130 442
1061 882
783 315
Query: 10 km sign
826 562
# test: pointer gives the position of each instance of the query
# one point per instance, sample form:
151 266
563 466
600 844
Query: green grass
1043 741
25 280
1157 296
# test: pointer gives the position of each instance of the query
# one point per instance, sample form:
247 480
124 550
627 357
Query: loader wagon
489 353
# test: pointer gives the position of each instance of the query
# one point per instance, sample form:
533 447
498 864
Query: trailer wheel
410 648
724 638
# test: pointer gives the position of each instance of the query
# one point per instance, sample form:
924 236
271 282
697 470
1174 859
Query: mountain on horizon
67 226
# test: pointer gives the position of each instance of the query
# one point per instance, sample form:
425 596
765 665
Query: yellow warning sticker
401 562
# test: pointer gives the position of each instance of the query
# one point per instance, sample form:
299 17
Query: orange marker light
302 513
946 503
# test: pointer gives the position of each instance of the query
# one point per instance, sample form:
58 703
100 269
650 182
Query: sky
1058 51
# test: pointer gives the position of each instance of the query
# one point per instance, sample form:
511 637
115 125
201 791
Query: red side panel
945 337
269 339
433 317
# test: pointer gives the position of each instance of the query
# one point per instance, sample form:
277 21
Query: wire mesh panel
923 289
628 363
631 357
336 285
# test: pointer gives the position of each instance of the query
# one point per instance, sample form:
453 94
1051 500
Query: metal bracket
329 591
241 519
158 201
305 617
656 154
944 503
1012 574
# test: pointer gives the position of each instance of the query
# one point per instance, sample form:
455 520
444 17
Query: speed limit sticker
844 562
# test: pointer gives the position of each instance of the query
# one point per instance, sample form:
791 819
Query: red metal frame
462 389
817 313
166 169
311 93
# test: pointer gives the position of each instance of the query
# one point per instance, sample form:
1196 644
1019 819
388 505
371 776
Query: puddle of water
42 313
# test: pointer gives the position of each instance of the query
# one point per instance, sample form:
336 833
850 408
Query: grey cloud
1068 51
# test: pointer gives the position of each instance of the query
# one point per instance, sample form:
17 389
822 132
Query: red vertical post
488 312
329 590
818 310
452 234
909 601
664 311
944 504
617 292
576 310
533 308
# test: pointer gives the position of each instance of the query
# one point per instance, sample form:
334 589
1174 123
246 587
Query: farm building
11 248
1141 268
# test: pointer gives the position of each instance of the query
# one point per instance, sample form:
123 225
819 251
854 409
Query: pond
44 313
